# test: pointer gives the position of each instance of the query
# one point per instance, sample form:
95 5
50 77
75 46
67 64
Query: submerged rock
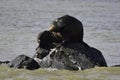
4 62
23 61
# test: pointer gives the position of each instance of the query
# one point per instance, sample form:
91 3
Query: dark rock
69 27
73 56
115 66
70 52
4 62
45 40
41 53
23 61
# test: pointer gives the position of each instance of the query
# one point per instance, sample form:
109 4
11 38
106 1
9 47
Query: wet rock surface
73 56
23 61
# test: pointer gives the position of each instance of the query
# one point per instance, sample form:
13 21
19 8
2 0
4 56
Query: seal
69 27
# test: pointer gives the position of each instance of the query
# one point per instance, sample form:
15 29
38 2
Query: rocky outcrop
62 47
73 56
4 62
68 56
23 61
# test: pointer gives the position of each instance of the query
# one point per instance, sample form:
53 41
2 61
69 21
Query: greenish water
98 73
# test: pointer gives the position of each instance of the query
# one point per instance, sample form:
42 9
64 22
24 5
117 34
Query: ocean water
22 20
97 73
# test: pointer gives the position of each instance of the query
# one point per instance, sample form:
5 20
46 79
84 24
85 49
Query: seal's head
69 27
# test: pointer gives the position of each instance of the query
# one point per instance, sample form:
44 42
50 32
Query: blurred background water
22 20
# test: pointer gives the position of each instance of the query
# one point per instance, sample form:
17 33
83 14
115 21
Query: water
43 74
22 20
